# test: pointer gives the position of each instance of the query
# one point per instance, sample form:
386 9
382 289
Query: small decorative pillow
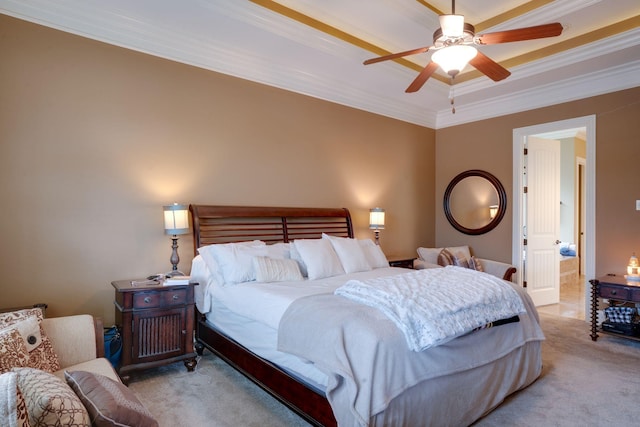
13 351
42 356
50 401
234 260
319 257
13 408
475 264
446 257
373 253
276 270
349 252
109 402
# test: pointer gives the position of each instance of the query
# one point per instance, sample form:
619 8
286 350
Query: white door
542 271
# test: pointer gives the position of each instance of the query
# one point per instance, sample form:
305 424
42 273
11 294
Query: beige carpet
583 383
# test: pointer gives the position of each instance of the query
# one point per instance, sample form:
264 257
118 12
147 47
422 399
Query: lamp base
173 273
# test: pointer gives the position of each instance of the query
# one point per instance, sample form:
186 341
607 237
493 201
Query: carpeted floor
583 383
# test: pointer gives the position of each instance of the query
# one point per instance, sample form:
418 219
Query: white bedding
267 302
251 312
436 305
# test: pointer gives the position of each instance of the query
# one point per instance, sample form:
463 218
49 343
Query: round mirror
475 202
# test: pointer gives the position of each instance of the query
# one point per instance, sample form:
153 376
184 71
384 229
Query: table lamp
176 222
376 222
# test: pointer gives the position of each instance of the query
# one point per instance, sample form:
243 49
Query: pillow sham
279 251
319 257
295 255
42 356
373 253
276 270
108 402
234 261
13 351
50 401
349 252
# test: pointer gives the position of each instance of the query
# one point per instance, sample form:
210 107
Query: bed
237 324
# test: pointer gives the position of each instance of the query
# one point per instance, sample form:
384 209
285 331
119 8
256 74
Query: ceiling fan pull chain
452 97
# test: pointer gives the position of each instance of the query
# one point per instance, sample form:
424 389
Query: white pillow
234 260
430 255
295 255
279 250
319 257
373 253
276 269
349 252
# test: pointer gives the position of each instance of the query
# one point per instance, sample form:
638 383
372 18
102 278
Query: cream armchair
78 341
428 258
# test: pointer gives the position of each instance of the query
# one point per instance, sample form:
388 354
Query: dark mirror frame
502 202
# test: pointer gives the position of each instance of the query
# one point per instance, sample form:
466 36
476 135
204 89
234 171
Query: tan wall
95 139
488 145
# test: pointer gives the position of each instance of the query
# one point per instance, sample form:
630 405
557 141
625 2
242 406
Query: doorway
585 200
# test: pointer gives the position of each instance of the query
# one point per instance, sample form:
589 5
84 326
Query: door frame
519 140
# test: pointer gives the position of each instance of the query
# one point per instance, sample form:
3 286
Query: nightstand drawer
615 292
160 298
175 297
147 299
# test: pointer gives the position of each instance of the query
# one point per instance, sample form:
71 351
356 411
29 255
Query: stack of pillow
234 263
457 255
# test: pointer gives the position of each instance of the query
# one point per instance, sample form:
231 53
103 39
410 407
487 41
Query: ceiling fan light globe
452 59
452 25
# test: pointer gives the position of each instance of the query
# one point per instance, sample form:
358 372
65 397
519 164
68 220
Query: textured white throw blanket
436 305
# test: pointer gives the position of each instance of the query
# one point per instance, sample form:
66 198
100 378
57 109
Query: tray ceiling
317 47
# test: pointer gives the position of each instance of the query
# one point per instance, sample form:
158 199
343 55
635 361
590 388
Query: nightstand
156 323
403 263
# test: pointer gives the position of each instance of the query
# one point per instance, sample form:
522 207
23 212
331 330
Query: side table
403 263
156 323
617 290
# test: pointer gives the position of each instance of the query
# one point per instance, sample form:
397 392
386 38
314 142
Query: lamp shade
176 219
452 59
376 219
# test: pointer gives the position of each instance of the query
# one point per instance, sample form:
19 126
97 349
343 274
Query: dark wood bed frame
227 224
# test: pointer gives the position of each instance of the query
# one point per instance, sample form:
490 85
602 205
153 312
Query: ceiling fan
453 46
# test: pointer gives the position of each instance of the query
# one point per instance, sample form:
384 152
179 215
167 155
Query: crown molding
112 27
593 84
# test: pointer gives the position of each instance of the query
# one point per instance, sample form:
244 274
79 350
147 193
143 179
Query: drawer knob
175 297
147 300
613 292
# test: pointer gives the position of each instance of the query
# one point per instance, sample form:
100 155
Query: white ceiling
317 47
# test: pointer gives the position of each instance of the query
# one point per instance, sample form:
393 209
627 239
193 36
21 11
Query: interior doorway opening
582 214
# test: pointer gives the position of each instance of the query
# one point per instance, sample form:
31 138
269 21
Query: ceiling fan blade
396 55
521 34
489 67
422 77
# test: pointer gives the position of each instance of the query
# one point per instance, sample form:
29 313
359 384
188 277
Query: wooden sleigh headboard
228 224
